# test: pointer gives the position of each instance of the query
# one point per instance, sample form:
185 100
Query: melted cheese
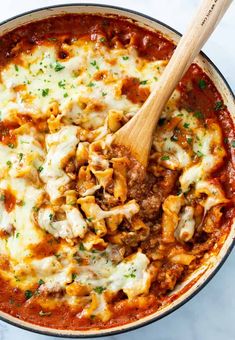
80 111
60 147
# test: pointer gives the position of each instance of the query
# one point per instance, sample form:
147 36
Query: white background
211 314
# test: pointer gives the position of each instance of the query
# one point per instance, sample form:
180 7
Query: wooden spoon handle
200 29
143 124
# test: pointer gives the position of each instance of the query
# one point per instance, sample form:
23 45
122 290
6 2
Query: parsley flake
199 154
198 115
202 84
40 168
10 145
61 84
58 67
186 125
81 247
41 282
165 158
52 39
9 164
218 105
16 68
45 92
233 143
74 275
99 289
28 294
2 197
143 82
189 140
125 57
20 155
90 84
102 39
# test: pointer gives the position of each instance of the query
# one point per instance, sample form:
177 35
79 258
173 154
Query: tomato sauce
9 200
198 93
7 135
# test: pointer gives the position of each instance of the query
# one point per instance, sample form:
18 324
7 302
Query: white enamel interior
209 268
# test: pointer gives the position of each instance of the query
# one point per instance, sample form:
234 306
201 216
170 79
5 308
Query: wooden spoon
137 134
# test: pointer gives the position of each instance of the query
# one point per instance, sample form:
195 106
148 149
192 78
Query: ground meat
168 275
149 190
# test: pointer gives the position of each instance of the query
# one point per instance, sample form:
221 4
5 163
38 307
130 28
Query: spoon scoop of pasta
137 134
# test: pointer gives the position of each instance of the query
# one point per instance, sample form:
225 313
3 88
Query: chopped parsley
218 105
90 84
131 275
81 247
143 82
104 94
99 289
52 39
155 78
66 95
198 115
186 125
45 92
89 219
10 145
202 84
74 275
20 155
16 68
2 197
51 216
35 208
17 235
9 164
102 39
199 153
189 140
41 282
125 57
58 67
94 63
28 294
233 143
61 84
40 168
165 158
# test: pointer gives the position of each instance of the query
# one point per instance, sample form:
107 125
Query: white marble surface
211 314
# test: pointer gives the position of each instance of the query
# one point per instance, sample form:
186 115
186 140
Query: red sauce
47 247
150 45
9 200
197 93
7 135
134 92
